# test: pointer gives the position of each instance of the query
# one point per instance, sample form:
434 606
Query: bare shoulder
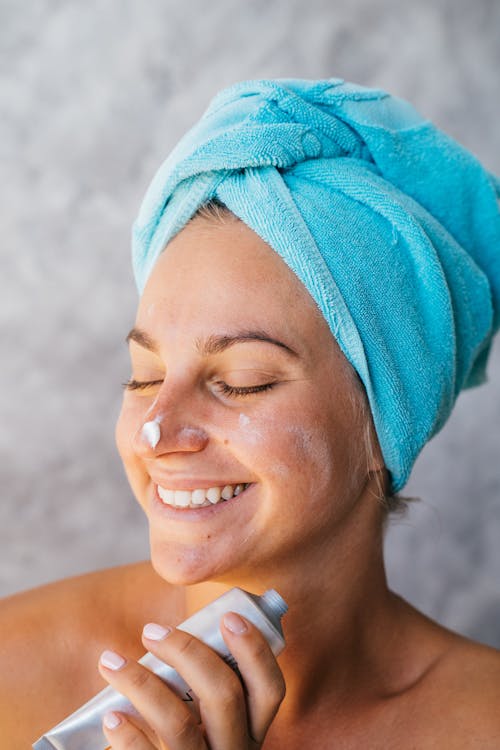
452 698
475 669
51 638
463 698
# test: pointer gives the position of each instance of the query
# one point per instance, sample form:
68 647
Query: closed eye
231 390
228 390
135 385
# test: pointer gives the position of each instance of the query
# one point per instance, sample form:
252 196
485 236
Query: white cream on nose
151 432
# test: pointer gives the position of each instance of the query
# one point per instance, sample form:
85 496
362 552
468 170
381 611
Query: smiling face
247 386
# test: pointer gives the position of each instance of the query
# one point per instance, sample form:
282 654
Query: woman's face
214 293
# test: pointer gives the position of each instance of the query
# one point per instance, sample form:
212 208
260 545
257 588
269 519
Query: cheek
286 452
311 448
326 452
259 440
128 422
123 432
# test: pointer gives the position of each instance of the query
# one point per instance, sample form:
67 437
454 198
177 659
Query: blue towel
392 226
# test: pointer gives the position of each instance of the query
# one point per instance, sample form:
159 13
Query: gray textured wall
93 96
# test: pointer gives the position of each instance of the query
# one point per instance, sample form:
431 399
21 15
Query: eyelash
228 390
231 390
139 385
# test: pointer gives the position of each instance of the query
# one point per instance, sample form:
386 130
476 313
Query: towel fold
391 225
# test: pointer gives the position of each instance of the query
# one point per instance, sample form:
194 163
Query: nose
164 430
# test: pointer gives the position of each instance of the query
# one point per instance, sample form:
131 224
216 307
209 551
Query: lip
196 514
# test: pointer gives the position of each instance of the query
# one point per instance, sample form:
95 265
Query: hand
233 716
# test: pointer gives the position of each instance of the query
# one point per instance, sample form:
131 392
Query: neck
342 618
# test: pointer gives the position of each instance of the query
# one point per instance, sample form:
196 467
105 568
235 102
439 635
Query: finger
121 734
262 677
162 710
217 687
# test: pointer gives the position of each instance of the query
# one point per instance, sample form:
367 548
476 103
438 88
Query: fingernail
112 660
234 623
154 632
111 720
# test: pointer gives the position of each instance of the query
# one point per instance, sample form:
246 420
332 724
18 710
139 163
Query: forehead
230 254
214 276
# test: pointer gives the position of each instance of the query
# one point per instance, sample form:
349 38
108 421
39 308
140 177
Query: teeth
167 495
214 494
199 497
182 498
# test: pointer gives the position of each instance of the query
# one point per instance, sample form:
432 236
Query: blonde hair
392 503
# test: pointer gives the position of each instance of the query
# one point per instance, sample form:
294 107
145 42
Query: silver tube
82 730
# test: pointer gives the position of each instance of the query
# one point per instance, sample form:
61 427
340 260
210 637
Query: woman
319 275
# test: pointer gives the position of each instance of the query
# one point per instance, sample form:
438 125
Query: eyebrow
214 344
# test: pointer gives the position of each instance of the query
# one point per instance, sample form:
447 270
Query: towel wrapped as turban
391 225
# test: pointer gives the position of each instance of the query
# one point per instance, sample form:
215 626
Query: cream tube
82 730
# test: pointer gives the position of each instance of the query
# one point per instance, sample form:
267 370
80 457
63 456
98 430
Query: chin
182 566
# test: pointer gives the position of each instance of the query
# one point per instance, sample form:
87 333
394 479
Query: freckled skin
209 279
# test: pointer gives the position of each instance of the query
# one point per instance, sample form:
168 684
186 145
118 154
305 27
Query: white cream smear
151 432
315 449
251 433
254 436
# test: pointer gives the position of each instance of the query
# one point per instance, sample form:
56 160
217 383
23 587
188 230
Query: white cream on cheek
310 444
251 433
282 448
314 452
338 469
263 436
